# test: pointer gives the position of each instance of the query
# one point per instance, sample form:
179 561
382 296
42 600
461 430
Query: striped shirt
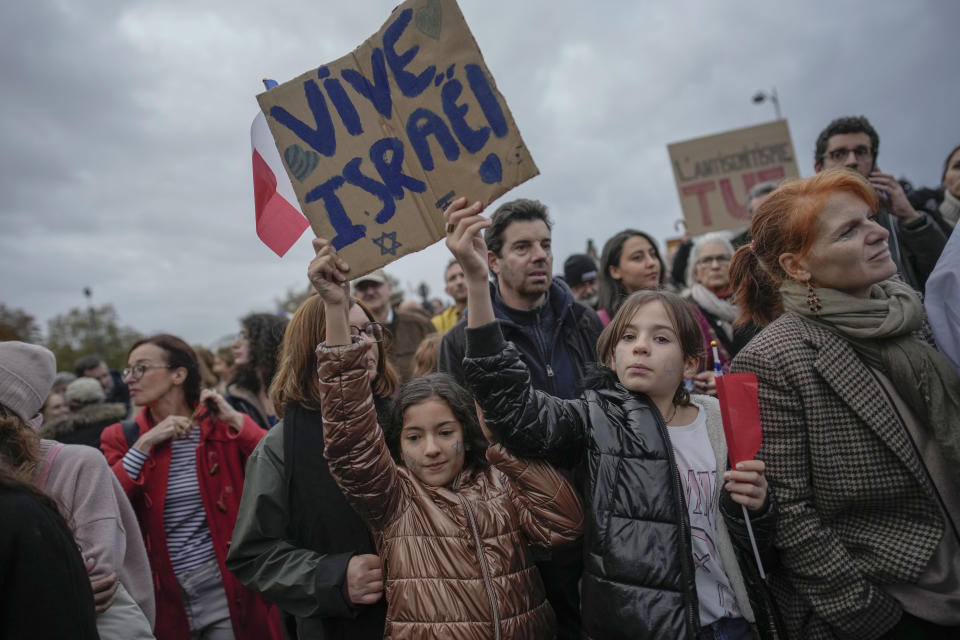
188 536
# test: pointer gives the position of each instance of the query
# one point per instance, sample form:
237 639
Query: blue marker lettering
347 232
340 100
391 169
321 137
420 126
377 92
488 101
410 85
471 139
355 177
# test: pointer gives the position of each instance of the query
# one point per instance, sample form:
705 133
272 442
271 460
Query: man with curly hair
255 353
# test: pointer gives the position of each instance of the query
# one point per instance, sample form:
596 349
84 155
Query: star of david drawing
382 243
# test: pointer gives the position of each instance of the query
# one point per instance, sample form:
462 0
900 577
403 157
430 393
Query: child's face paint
431 442
648 357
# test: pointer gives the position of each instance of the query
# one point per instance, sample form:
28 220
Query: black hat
579 267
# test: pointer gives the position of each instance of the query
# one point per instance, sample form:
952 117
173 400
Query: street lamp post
762 96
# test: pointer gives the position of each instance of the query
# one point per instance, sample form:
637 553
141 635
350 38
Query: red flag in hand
740 409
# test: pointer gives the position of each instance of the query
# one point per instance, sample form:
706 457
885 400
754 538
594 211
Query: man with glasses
114 388
916 241
403 330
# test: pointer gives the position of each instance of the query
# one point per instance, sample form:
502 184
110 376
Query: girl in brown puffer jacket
453 531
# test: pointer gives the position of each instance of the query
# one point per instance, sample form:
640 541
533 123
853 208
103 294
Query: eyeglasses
720 260
136 371
372 331
841 153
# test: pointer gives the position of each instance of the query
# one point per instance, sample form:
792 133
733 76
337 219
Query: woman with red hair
861 420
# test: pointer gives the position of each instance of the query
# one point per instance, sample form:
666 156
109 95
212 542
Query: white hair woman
708 272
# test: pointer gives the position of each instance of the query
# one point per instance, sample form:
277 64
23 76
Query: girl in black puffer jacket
658 561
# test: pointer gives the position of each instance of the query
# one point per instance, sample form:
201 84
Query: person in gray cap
89 415
81 482
404 329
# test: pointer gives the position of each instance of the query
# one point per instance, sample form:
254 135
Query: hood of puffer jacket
104 413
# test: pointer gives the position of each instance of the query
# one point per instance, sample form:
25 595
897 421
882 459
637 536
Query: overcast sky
125 161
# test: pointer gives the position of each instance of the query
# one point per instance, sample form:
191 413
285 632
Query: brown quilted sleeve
551 511
353 441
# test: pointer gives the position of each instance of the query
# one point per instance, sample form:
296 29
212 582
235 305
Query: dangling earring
813 300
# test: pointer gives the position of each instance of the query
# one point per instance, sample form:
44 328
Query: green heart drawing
428 19
301 163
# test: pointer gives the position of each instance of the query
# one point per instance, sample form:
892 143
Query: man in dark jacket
556 337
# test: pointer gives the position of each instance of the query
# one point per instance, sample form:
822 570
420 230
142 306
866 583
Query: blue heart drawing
491 171
301 162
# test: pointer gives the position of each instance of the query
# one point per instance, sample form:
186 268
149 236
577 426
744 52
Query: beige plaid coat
856 508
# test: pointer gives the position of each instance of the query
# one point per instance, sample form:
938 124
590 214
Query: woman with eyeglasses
708 271
297 541
181 463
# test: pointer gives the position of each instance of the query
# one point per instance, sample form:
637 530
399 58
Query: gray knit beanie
84 391
26 376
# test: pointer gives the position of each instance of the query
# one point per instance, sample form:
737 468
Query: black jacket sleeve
45 587
921 246
528 422
452 347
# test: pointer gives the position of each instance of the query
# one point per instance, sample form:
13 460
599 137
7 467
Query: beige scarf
880 330
950 208
724 310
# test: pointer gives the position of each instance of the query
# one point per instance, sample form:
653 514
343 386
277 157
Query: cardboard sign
379 142
715 173
740 412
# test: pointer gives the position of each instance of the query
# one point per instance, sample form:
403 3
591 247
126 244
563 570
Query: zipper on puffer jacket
693 615
483 569
546 358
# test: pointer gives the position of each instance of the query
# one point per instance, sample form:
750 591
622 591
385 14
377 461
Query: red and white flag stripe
280 223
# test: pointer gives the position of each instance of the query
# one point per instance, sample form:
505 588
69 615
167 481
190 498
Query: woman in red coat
182 468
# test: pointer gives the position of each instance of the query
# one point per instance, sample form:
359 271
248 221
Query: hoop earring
813 300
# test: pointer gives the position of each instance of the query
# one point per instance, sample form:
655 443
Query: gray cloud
126 156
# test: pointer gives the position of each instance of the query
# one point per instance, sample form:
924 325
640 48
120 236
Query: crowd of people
543 458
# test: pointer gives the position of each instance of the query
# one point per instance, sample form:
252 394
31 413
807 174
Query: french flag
279 220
